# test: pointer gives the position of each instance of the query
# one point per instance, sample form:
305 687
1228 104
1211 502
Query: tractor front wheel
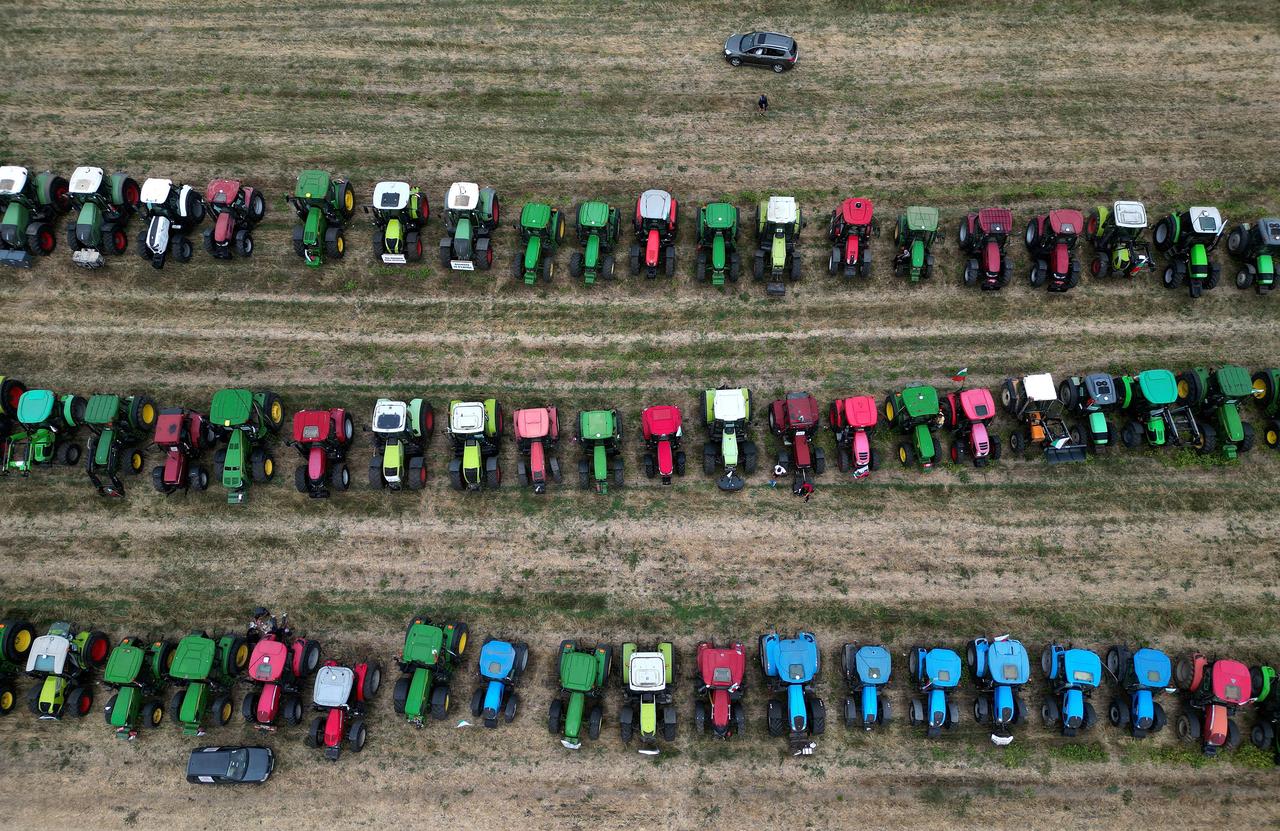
357 735
1188 728
1263 736
440 703
1049 713
554 714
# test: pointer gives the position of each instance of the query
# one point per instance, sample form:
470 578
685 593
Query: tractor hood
920 402
422 644
1081 668
1152 668
497 659
36 406
1235 382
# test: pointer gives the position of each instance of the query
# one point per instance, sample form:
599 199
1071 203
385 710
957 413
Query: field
960 104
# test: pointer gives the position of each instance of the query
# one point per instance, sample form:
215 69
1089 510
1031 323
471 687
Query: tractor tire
1189 388
95 651
700 270
16 642
1184 673
357 736
1132 434
151 714
33 700
1208 440
1118 713
1050 716
594 720
111 705
555 712
340 477
299 247
1099 266
819 461
182 249
774 719
970 276
68 453
417 473
221 710
40 239
843 459
244 243
440 703
1248 440
315 732
375 474
1244 278
850 712
1263 736
817 717
1090 716
400 695
575 265
1233 735
446 253
477 702
996 450
750 457
413 247
680 462
835 261
114 239
300 478
1188 727
262 465
1215 274
175 703
634 260
1112 662
700 717
669 260
757 267
650 467
1235 240
709 458
335 244
981 709
1171 278
249 706
906 455
915 713
1162 235
608 268
1039 275
78 702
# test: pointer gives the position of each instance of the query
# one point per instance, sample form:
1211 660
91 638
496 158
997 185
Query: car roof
773 39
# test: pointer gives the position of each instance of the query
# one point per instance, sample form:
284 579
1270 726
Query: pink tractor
236 210
851 230
794 419
537 434
1051 240
983 237
853 419
721 670
661 426
342 694
323 438
277 667
183 435
968 414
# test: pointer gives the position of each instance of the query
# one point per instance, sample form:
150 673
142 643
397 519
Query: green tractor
400 211
1216 394
1256 247
64 660
914 235
600 434
471 215
717 256
1266 389
1187 238
44 432
475 429
778 224
431 655
103 205
401 433
915 412
29 205
206 672
119 429
541 229
247 420
583 675
1150 399
16 637
138 671
324 204
648 709
727 413
598 226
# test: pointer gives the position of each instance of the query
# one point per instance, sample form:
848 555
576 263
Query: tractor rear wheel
263 466
906 455
669 257
292 710
554 713
78 703
1049 713
1162 236
151 714
709 459
1099 266
981 709
182 250
417 473
1118 713
594 721
850 712
300 478
817 716
222 710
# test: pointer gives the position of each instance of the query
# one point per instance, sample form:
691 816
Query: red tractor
655 246
341 693
969 415
661 426
183 435
236 209
794 419
278 665
853 419
323 438
1215 690
852 227
1051 240
720 673
537 434
983 237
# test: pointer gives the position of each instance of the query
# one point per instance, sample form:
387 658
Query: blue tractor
1141 676
1073 676
934 672
790 665
1000 666
866 671
501 665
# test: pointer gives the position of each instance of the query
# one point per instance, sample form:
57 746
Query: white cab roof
462 196
48 654
729 405
155 191
655 204
86 180
467 417
648 671
389 416
333 686
12 179
1040 387
782 210
1206 220
1129 214
391 196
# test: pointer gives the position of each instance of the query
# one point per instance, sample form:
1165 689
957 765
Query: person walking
762 104
807 490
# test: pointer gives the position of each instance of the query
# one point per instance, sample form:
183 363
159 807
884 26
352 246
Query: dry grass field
1029 104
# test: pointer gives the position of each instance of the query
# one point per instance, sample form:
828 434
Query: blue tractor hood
1009 663
942 668
1081 669
874 666
497 658
1152 669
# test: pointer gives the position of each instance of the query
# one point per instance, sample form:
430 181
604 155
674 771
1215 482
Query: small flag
464 723
959 374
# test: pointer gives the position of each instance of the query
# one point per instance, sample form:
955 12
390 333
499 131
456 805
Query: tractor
322 438
794 420
29 210
982 237
1149 398
1216 395
850 231
63 661
934 672
1214 691
778 225
323 204
537 432
1266 389
1092 396
1140 676
541 229
913 236
727 414
852 419
915 412
598 228
1033 402
717 255
969 415
720 675
247 420
183 435
1186 239
790 666
655 228
866 670
401 433
648 702
431 654
235 209
1073 676
1265 689
1115 233
170 212
1256 247
475 429
11 391
1051 242
206 671
138 670
342 693
400 211
119 429
501 666
278 665
600 436
660 426
103 205
16 637
583 676
1000 668
470 218
45 430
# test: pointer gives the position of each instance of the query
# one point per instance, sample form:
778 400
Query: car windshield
237 763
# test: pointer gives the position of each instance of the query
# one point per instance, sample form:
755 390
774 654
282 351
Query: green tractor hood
591 252
778 251
926 450
600 468
532 254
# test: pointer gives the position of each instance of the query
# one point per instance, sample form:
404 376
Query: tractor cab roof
797 658
1008 662
661 420
390 196
654 204
722 667
801 411
923 219
268 661
1269 230
467 418
720 215
942 668
594 214
874 665
729 405
782 210
1129 214
12 179
977 404
1205 220
860 411
920 401
423 643
1040 387
312 425
389 416
332 687
497 658
85 180
648 672
532 423
535 215
462 196
1082 668
1234 381
1101 388
578 671
36 406
231 407
1158 386
222 191
1152 668
102 409
597 424
1231 682
856 211
193 659
995 220
48 654
1066 222
155 191
124 664
312 184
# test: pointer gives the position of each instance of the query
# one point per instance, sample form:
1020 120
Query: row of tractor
194 681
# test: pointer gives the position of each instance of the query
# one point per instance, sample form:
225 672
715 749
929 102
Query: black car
762 48
230 765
